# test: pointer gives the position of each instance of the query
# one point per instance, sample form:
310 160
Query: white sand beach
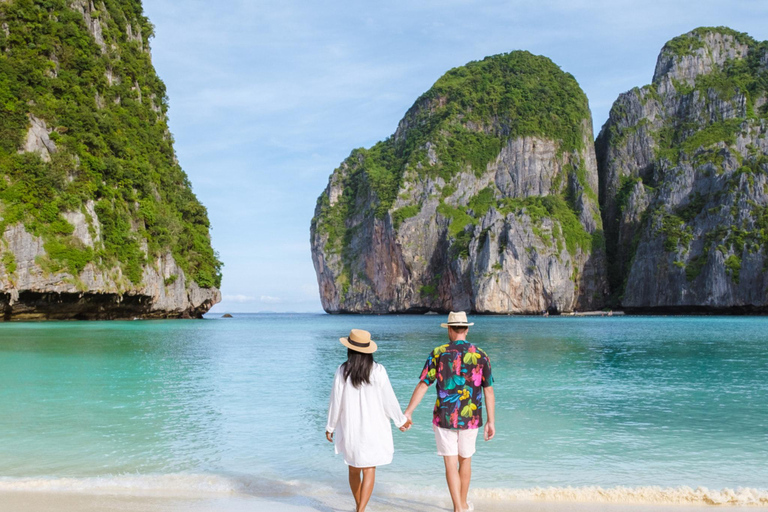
72 502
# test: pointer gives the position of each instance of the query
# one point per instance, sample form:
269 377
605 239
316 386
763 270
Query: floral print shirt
461 370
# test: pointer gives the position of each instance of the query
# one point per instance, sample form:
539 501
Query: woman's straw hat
457 319
359 341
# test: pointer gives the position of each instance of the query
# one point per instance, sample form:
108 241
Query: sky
268 97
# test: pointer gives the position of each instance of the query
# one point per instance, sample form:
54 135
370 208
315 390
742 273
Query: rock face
97 220
683 190
39 140
484 199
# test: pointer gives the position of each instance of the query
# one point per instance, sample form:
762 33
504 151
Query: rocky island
491 196
683 165
484 199
97 219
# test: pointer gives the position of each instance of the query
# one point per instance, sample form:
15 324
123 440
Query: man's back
461 371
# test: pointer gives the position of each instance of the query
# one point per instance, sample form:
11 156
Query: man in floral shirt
463 375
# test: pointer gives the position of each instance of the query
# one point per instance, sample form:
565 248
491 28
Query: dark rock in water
226 315
32 305
483 200
683 166
97 219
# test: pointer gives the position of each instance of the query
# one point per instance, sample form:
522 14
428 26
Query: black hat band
361 345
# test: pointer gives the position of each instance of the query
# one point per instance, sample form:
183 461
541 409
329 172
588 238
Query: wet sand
71 502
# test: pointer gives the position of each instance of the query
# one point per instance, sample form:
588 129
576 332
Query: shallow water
240 404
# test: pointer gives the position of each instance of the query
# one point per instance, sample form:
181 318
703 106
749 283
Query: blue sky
268 97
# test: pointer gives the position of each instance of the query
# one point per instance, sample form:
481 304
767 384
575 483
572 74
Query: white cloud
238 298
241 298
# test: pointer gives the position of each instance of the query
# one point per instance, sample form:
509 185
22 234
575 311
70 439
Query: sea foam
207 484
641 495
172 484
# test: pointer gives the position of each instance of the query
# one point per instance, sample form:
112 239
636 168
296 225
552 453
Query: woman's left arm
391 405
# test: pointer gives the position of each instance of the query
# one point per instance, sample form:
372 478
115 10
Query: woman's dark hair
358 367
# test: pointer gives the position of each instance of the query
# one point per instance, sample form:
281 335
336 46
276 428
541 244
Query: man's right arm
418 394
428 376
490 407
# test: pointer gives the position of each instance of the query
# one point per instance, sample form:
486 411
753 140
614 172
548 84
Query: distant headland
97 219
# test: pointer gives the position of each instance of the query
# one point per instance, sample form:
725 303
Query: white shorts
455 442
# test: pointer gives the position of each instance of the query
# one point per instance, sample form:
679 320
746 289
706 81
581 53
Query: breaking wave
641 495
207 484
127 484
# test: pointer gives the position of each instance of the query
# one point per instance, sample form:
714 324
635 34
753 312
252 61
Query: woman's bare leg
355 484
369 478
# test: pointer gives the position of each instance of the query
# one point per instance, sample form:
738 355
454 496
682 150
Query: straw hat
359 341
457 319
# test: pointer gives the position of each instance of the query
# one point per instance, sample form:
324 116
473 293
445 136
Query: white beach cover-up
360 419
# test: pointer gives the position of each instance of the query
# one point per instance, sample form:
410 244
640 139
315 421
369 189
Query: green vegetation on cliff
747 77
462 122
566 227
683 45
689 43
104 107
529 94
562 214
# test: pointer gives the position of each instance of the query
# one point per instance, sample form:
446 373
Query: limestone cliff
683 187
97 219
484 199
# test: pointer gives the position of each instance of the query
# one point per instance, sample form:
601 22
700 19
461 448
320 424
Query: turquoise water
622 401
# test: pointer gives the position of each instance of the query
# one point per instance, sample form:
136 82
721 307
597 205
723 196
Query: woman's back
360 417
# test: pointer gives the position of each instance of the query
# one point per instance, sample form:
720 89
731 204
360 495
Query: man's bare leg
465 475
454 481
366 489
355 484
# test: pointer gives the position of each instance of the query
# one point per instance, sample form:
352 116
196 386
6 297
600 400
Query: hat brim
463 324
364 350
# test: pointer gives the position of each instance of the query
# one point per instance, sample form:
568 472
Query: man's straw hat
457 319
359 341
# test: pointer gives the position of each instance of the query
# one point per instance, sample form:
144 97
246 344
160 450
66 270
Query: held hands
409 421
490 431
329 436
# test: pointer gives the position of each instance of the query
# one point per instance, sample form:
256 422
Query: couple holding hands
363 403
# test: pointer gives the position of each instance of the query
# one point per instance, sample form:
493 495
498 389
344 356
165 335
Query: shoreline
210 492
83 502
690 311
683 311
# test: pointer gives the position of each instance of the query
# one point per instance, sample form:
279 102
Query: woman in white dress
362 405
